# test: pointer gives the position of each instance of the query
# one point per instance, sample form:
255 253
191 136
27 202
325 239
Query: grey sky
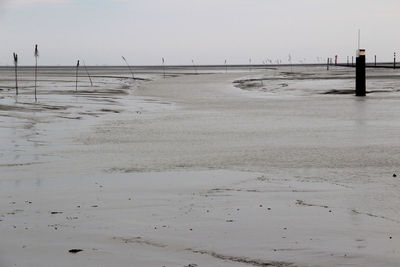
208 31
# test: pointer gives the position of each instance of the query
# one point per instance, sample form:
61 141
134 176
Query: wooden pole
226 67
394 61
194 66
87 72
36 57
76 83
250 64
129 67
163 63
16 72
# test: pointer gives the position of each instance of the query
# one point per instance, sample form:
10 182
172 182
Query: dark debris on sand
74 251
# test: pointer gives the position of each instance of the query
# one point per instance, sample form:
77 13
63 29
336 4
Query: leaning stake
87 72
133 75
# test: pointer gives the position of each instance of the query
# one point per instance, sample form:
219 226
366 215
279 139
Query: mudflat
251 167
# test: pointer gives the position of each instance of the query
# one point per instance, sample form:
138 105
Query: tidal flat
262 166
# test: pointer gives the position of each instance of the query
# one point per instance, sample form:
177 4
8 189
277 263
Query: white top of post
360 52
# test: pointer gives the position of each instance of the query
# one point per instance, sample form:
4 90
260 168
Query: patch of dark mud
262 178
103 92
48 107
110 110
302 203
14 212
184 166
375 216
13 108
352 91
250 80
103 99
125 170
289 249
149 100
139 240
19 164
382 91
36 107
122 77
70 118
220 190
94 114
339 92
55 212
297 73
245 260
74 251
247 86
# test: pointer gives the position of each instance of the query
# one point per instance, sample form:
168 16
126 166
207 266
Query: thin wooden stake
76 83
36 60
87 72
163 63
16 72
226 67
133 75
194 66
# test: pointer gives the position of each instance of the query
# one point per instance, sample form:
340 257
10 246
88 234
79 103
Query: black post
375 60
348 61
360 73
394 61
327 64
336 60
352 61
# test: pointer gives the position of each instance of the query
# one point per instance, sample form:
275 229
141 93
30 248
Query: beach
263 166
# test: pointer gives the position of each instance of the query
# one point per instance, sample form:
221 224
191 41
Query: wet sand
262 168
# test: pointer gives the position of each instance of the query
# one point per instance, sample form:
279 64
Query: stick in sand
226 67
16 72
250 64
133 75
76 83
36 58
194 66
87 72
163 61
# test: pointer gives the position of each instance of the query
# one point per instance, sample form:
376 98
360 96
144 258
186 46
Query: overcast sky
208 31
